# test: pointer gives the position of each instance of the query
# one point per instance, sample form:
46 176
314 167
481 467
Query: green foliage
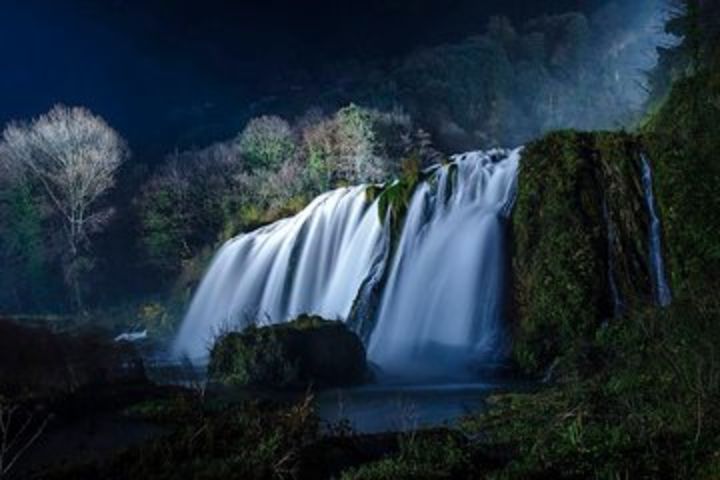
202 197
238 362
165 229
420 457
648 412
394 198
343 148
266 143
642 398
683 139
183 207
394 202
23 246
560 249
170 410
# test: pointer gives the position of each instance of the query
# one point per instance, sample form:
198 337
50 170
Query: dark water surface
391 405
402 407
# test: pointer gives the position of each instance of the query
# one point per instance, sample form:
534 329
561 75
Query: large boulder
307 351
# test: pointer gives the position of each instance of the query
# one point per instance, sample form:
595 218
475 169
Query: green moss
648 412
560 241
683 141
639 395
307 351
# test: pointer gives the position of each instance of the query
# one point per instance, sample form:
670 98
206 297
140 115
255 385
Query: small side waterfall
442 305
618 305
663 296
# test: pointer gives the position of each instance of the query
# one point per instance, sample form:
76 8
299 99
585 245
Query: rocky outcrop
579 232
304 352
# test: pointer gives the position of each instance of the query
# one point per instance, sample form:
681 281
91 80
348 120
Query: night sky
170 73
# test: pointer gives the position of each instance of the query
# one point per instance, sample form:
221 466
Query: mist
517 79
195 74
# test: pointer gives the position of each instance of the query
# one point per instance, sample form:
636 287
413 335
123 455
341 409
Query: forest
335 240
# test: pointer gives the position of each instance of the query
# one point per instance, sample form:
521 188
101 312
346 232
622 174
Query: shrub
266 143
183 207
343 149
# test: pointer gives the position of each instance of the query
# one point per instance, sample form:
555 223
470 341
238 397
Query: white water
441 308
312 263
663 296
443 298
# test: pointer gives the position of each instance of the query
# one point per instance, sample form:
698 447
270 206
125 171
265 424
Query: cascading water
663 296
312 263
442 305
443 295
618 305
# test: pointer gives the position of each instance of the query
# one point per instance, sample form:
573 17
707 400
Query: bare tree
19 430
74 155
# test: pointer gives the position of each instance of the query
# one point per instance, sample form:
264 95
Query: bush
182 208
266 143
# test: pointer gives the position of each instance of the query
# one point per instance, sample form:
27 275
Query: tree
182 207
74 155
343 149
23 246
266 143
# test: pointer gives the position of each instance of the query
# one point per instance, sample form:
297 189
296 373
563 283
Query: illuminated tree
267 142
74 155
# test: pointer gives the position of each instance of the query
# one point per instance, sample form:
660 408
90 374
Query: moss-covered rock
574 189
307 351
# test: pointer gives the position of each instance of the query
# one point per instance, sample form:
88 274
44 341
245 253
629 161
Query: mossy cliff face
683 140
307 351
579 211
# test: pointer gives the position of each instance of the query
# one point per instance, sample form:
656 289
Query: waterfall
312 263
443 287
661 288
618 305
442 305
